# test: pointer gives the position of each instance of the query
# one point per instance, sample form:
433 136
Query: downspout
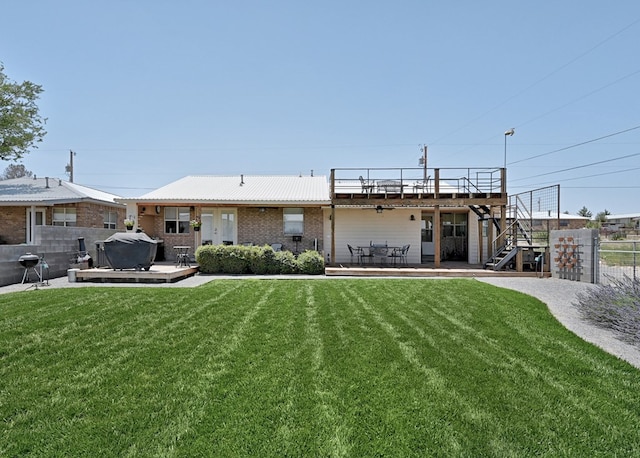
31 230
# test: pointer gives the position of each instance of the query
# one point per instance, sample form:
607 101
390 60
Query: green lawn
337 367
620 254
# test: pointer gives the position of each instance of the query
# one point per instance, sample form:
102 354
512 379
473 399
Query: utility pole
69 167
423 163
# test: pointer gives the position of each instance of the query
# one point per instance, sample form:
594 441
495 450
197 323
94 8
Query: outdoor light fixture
379 209
262 209
412 218
508 133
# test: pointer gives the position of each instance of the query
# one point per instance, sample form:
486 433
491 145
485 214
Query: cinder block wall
57 244
573 255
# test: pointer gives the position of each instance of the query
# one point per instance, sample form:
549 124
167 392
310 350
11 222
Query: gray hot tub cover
130 250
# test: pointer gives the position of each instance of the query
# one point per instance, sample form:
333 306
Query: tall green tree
584 211
602 216
21 125
15 171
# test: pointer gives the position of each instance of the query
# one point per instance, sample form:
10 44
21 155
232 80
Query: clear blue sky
146 92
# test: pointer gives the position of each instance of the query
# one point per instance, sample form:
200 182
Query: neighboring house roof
49 191
563 216
247 189
632 216
542 215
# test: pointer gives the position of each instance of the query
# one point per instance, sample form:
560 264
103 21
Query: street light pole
509 133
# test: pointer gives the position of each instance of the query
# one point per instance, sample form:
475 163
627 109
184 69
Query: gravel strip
560 295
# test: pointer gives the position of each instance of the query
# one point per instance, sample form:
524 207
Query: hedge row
257 260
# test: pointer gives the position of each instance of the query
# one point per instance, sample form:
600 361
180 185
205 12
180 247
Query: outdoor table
389 185
378 251
182 255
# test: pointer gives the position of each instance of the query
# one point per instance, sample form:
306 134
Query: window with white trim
63 216
110 219
293 219
176 220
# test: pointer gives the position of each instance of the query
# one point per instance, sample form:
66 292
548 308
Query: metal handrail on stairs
521 225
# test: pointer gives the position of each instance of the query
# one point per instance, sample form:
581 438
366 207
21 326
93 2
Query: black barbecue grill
29 261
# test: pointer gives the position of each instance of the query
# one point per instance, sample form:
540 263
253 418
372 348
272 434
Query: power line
589 176
547 76
579 166
576 145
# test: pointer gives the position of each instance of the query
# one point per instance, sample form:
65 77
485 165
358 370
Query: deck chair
357 253
367 187
400 254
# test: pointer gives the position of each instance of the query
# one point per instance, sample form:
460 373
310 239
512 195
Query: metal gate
618 259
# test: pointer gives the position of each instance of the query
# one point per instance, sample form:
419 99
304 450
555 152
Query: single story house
622 221
440 214
28 202
283 211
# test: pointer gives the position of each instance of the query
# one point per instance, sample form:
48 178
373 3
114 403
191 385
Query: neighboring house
623 221
28 202
546 221
240 209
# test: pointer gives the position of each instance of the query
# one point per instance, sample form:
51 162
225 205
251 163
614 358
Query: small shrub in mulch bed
615 306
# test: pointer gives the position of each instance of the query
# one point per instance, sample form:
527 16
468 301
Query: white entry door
219 226
35 218
428 247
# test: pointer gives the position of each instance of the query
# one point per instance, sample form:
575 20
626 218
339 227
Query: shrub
210 258
615 306
286 262
262 261
257 261
236 260
311 263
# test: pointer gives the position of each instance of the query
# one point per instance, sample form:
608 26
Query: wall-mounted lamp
262 209
379 209
412 218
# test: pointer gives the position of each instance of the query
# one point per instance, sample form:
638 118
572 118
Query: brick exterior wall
253 226
565 224
14 219
265 228
14 225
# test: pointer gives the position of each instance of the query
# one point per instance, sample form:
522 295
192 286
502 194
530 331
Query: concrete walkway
558 295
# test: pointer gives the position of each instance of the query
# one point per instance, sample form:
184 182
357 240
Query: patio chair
400 254
367 187
356 252
276 246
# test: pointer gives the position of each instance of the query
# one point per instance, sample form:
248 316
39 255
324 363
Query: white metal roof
49 191
623 216
237 189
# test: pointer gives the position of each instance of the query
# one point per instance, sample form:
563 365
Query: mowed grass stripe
306 368
267 403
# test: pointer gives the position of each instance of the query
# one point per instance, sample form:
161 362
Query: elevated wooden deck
420 187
